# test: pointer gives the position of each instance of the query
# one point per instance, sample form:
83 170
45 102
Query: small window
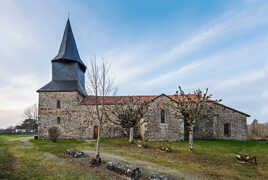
58 120
58 104
227 130
163 116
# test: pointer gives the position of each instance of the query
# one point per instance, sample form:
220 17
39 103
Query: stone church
64 103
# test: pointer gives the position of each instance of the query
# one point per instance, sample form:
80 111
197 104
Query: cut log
246 159
74 153
145 146
130 171
165 149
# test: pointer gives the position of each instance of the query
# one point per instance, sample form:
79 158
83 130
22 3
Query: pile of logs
124 169
246 159
165 149
74 153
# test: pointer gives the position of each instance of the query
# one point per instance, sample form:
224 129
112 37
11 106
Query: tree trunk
131 134
98 144
191 148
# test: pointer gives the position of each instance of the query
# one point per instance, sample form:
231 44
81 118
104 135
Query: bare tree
99 84
31 112
30 118
128 112
194 107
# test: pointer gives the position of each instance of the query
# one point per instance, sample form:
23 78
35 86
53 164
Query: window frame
163 116
58 120
58 105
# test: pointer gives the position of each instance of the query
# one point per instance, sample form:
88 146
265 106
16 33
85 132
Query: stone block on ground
74 153
165 149
127 170
145 146
246 159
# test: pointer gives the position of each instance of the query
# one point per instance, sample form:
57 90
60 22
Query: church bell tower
67 67
59 99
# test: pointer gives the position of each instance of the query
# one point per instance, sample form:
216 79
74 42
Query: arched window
163 116
58 104
58 120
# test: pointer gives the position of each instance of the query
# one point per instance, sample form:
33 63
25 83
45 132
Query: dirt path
22 139
147 166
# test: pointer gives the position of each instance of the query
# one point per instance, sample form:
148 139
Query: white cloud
19 92
177 74
137 63
232 22
244 78
10 117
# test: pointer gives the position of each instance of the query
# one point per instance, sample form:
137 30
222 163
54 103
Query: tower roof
68 49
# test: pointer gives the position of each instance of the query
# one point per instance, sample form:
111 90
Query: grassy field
25 160
212 159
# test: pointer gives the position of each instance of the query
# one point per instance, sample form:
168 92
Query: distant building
20 130
64 103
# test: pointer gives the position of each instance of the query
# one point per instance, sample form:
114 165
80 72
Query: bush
53 133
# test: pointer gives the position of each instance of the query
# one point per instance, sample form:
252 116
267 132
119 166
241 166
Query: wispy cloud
232 23
244 78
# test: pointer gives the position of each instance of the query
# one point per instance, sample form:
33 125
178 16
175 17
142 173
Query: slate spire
68 70
68 49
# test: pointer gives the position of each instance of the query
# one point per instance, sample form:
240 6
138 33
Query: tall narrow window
227 130
163 116
58 120
58 104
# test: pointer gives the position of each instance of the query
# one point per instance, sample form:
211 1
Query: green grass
213 159
16 136
39 160
59 146
5 161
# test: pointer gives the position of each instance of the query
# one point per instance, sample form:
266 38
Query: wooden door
96 130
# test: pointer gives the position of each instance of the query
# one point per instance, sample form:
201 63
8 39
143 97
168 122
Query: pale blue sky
153 46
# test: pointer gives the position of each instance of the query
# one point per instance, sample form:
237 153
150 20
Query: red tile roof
110 100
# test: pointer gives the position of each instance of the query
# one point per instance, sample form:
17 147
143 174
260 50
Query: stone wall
48 113
172 130
213 127
88 120
78 121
